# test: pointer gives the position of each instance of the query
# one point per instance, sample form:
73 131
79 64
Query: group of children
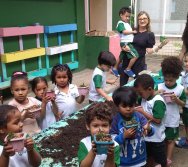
149 139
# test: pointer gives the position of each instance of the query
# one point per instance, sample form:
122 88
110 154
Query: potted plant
167 97
83 89
102 142
131 124
16 140
50 93
36 110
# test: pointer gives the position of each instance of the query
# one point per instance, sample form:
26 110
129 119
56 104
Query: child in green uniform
153 108
98 119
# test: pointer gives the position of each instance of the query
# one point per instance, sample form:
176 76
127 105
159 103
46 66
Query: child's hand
46 99
109 98
58 116
134 31
147 128
29 144
174 98
94 148
160 91
111 150
125 48
129 133
8 150
28 114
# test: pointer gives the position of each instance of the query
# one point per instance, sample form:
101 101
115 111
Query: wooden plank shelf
61 49
18 31
22 55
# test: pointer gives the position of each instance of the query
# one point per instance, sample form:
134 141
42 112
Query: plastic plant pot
36 110
83 90
50 93
17 141
102 146
131 124
167 97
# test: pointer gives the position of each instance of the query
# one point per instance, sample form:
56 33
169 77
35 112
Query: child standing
153 108
183 142
126 38
171 69
66 93
20 87
10 122
98 119
106 60
39 87
128 127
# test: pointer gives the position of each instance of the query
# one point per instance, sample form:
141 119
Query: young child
183 142
39 87
11 122
171 69
20 87
129 128
126 38
98 118
153 108
66 93
106 60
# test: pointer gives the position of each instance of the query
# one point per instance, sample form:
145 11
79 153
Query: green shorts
133 52
185 116
171 133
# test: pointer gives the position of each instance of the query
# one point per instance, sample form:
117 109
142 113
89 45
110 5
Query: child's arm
158 110
7 152
111 81
127 32
57 114
34 157
88 160
181 100
110 160
103 94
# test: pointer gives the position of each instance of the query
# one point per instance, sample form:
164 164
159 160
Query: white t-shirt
126 38
159 134
66 103
30 126
19 159
93 94
172 109
49 117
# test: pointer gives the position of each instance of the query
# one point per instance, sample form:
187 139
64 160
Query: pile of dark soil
63 146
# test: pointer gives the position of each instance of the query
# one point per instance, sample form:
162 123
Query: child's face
169 81
144 93
14 123
98 125
186 63
105 67
61 78
20 90
125 17
40 89
126 111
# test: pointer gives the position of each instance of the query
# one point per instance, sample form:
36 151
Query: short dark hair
37 80
123 10
145 81
106 58
18 75
61 67
5 110
171 66
99 110
125 96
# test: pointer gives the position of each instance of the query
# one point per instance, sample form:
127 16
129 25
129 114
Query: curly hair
99 110
171 66
145 81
